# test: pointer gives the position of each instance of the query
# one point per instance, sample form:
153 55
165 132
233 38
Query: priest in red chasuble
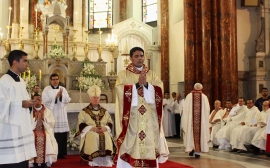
138 114
94 127
267 150
195 122
46 145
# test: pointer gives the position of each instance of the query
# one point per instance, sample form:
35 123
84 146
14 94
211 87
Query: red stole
196 118
267 150
40 136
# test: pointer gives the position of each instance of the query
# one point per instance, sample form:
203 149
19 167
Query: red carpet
73 161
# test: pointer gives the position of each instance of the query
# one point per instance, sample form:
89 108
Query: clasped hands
99 129
142 78
59 94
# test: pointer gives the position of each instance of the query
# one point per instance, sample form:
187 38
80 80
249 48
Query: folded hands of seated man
99 129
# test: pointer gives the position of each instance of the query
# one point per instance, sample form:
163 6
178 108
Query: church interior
223 44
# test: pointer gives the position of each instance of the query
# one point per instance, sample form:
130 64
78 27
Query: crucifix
95 90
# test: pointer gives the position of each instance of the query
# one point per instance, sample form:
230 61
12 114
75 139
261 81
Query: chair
103 98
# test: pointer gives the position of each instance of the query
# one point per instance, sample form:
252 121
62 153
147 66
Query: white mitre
94 91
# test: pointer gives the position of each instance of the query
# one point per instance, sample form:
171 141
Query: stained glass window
149 11
100 14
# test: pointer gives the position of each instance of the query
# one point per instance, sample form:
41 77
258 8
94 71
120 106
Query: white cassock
16 136
59 109
167 118
252 115
215 114
51 144
190 142
223 135
164 150
259 139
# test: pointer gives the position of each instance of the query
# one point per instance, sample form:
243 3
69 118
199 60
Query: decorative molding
260 42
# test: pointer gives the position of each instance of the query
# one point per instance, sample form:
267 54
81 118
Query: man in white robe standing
43 123
167 116
56 98
236 116
16 135
251 116
195 122
177 107
214 123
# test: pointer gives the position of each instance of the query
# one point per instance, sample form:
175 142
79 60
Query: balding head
265 105
217 104
198 86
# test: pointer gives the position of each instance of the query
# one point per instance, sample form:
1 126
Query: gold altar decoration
99 49
111 43
74 47
86 47
125 53
7 44
36 46
21 44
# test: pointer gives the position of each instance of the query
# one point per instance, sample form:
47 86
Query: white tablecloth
77 107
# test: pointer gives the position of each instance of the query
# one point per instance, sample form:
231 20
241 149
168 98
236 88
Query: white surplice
224 134
167 118
51 150
216 126
248 133
187 123
251 114
259 139
59 109
16 135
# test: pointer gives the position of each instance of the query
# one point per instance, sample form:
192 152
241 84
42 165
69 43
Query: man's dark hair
166 92
251 100
36 94
228 100
264 89
53 75
135 49
242 98
15 55
36 85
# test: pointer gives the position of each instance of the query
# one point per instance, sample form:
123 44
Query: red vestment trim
125 118
138 162
133 69
196 112
40 136
267 149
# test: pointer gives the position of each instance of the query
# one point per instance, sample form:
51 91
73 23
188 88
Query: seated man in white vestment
214 123
258 141
94 127
251 116
195 122
43 123
235 118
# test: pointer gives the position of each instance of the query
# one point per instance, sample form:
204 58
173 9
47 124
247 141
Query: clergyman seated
94 126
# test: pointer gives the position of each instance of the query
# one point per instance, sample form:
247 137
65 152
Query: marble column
164 46
123 10
83 13
210 48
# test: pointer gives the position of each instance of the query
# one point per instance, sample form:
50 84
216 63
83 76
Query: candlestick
24 75
9 15
39 75
36 17
29 75
99 35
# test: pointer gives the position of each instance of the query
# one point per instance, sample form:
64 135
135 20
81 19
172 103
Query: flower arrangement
57 51
89 77
30 82
70 143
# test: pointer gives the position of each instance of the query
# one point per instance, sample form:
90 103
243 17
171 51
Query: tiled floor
216 158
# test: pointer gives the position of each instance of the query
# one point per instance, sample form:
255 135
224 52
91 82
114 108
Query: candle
99 35
29 75
9 15
24 75
36 17
39 75
21 16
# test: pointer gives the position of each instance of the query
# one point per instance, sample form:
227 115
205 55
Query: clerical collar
140 69
15 76
39 108
55 87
